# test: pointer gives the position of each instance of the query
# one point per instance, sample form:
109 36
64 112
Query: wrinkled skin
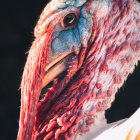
103 48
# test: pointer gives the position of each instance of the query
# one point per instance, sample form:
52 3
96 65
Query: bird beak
55 67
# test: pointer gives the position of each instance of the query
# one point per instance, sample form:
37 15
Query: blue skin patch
64 40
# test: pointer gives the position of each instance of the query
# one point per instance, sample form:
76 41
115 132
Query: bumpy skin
108 36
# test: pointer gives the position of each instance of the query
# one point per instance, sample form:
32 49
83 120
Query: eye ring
69 20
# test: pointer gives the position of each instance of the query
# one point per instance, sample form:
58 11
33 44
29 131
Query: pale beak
56 66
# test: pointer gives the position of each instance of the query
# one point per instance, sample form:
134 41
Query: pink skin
101 68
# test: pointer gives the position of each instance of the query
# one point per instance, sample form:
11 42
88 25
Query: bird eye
70 20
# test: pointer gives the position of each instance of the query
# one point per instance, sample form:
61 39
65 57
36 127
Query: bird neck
111 58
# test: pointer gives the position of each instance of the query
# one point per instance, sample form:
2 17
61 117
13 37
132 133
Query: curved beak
55 67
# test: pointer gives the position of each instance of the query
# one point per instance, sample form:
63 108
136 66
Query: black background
17 21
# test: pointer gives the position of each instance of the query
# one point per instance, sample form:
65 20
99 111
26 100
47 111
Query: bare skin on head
86 49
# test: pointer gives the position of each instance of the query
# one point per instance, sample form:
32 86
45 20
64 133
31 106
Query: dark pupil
70 19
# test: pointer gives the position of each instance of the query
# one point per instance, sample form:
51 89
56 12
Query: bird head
82 53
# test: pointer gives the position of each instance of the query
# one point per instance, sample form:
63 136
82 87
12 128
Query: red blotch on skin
90 121
84 129
98 85
101 95
104 68
117 79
